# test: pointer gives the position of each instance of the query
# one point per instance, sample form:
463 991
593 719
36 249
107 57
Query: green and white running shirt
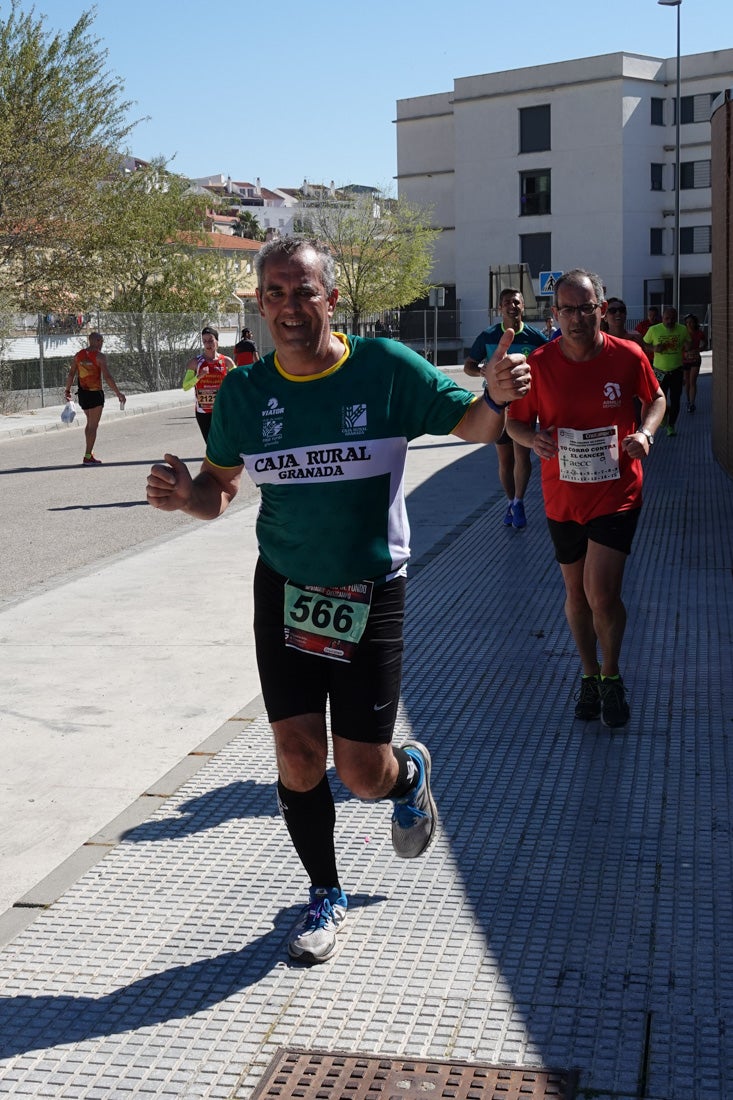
328 453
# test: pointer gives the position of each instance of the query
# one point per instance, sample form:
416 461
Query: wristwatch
648 434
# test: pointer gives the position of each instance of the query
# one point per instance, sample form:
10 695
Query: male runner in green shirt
668 342
322 426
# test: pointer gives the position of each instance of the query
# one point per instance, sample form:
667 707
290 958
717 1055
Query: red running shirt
595 394
211 373
88 369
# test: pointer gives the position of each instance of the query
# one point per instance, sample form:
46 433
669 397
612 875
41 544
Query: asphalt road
59 517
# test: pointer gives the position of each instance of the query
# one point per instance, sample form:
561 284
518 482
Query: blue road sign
548 280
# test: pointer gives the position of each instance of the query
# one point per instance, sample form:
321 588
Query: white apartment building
568 165
282 210
274 208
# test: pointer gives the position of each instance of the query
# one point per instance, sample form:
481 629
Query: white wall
458 151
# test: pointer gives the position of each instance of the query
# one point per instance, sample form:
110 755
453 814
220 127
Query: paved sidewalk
48 419
174 668
574 911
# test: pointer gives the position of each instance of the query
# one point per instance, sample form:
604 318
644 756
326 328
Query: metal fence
145 352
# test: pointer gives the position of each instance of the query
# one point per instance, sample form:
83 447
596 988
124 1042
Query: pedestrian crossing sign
548 280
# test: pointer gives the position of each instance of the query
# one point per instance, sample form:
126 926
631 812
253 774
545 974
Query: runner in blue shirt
514 460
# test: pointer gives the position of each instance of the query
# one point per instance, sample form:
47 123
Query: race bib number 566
327 622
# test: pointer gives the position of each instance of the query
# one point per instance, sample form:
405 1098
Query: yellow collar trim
321 374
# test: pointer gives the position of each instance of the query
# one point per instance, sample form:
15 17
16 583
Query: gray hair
288 246
576 277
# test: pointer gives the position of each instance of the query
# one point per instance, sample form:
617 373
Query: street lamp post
676 288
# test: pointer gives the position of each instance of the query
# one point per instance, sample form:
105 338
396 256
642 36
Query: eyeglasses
587 309
616 309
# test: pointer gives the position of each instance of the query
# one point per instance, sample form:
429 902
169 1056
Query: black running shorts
571 539
363 695
90 399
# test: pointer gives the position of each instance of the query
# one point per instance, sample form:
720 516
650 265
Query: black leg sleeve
310 817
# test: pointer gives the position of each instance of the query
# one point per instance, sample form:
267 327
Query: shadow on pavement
592 858
36 1022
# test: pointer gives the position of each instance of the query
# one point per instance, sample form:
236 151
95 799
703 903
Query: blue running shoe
313 939
508 515
518 517
414 816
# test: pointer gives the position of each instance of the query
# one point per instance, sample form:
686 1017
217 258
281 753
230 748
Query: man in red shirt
90 366
583 390
652 318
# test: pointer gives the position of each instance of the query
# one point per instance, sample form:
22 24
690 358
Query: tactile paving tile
319 1075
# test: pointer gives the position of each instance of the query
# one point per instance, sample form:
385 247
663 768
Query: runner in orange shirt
89 366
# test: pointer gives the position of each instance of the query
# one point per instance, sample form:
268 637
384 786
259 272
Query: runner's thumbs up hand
169 485
508 377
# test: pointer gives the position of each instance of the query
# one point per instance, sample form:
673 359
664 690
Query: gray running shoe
615 710
313 939
414 816
588 704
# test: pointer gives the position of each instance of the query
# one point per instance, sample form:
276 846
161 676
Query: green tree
152 347
383 249
248 226
160 278
62 126
149 249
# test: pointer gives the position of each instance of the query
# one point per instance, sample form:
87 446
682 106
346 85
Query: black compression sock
407 775
310 817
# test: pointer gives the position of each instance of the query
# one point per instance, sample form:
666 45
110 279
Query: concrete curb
48 419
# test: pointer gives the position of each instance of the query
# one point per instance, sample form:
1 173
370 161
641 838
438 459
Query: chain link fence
145 352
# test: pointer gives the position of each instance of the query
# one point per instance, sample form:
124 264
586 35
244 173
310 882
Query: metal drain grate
318 1075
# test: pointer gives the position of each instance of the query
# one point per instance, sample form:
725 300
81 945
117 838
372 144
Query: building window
534 192
534 129
695 238
695 108
535 249
694 173
657 118
656 242
657 177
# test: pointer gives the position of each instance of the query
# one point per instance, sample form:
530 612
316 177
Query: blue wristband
492 404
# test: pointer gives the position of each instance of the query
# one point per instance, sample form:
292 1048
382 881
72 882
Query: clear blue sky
287 90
